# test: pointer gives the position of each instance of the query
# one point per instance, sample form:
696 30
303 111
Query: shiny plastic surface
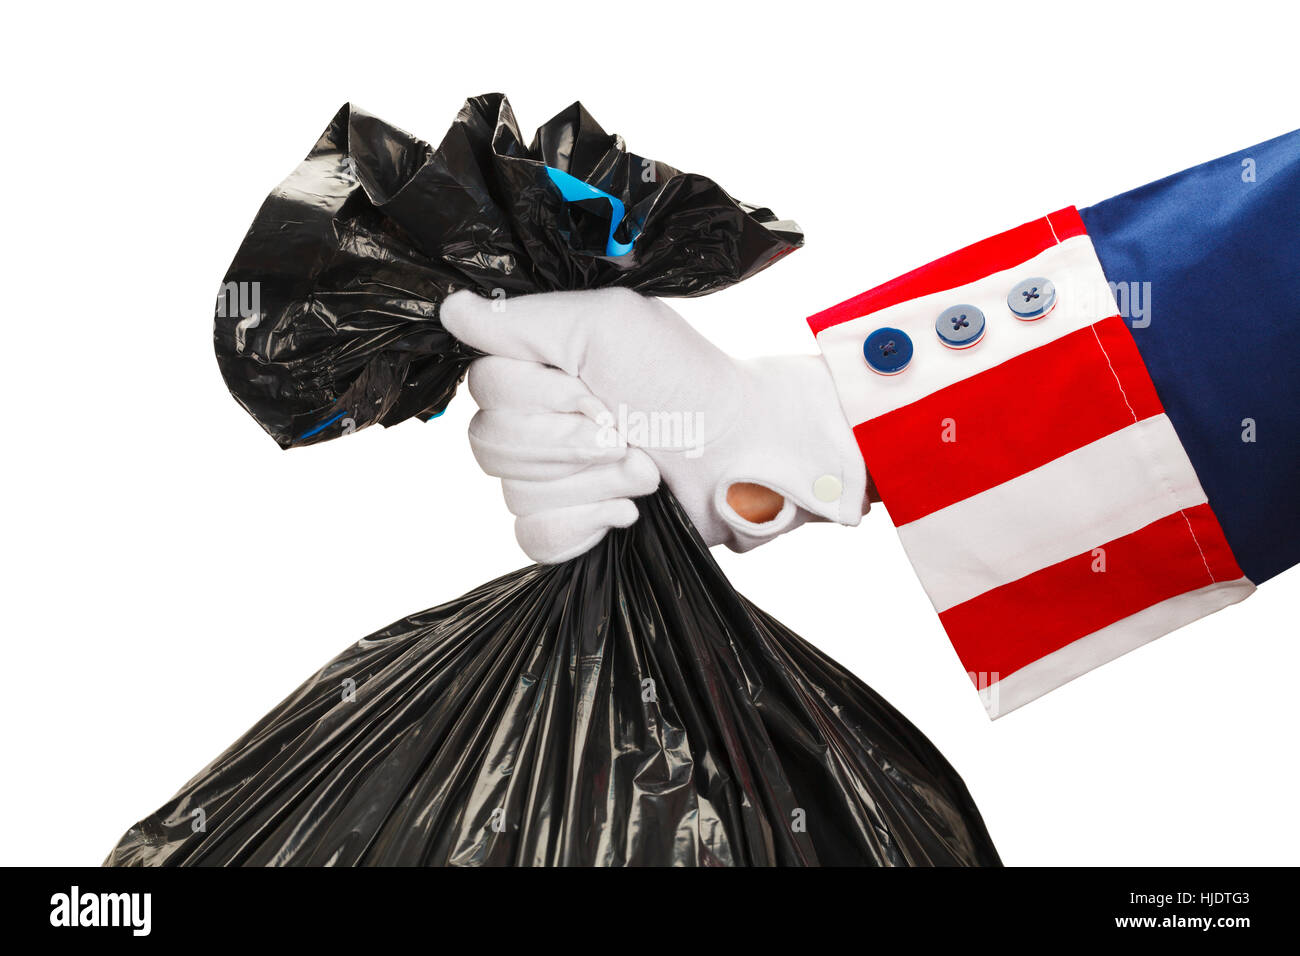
327 320
627 707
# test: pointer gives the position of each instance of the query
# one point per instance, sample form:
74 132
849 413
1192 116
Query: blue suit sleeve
1206 267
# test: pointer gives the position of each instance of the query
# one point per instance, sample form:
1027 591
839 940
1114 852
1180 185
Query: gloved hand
596 371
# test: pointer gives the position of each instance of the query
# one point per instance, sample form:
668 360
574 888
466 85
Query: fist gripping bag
626 707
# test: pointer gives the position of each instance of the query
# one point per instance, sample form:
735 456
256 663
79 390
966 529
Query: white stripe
1064 665
1082 298
1097 493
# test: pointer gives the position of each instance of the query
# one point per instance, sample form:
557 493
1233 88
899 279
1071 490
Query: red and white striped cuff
1038 487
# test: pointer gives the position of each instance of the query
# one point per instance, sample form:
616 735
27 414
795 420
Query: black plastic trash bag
626 707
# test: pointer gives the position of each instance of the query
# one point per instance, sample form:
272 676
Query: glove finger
625 347
557 328
634 476
498 382
540 445
554 536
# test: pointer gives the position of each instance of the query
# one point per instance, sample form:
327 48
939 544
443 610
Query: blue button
887 351
960 326
1032 298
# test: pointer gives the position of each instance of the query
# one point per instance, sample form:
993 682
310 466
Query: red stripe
1006 628
1007 421
976 261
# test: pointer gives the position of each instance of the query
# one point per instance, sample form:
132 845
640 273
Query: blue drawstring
572 188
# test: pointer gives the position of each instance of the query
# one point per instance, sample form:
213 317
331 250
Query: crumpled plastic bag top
327 320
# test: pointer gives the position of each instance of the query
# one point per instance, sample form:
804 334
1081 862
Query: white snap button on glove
596 370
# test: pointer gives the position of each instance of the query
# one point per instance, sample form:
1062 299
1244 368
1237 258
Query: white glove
596 371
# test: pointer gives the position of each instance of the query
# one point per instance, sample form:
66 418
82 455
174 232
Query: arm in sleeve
1087 428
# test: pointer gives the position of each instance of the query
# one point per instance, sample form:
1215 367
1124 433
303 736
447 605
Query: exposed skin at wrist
753 502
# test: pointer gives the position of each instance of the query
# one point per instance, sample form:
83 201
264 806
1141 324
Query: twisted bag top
327 320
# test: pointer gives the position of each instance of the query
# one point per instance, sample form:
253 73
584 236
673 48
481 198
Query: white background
169 575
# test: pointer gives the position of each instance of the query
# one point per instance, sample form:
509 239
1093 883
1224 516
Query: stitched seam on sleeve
1168 488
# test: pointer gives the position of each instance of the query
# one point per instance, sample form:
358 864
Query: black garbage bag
627 707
